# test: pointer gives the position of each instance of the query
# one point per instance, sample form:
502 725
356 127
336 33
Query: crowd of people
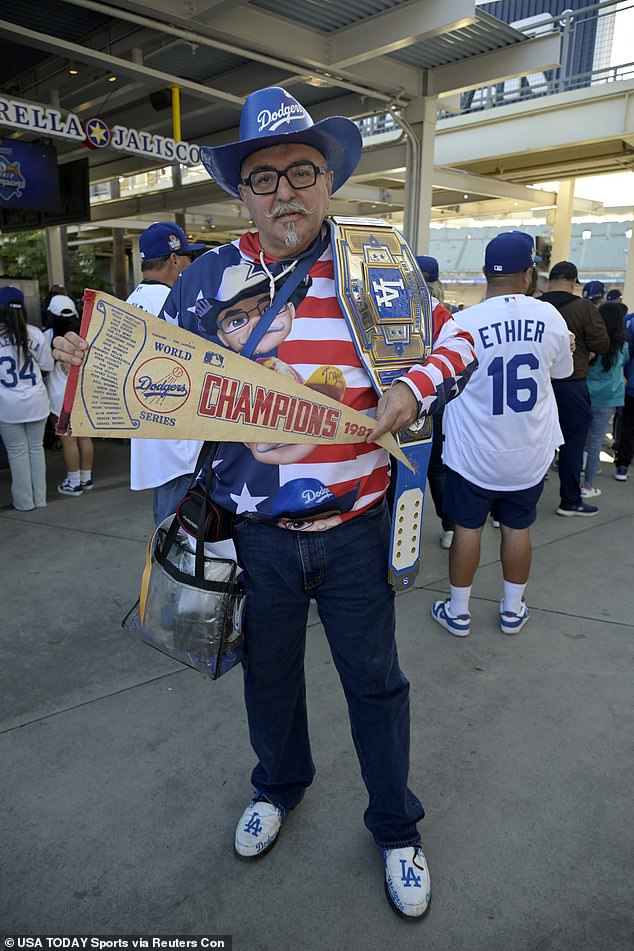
509 381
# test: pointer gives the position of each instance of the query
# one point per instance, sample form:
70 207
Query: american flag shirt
312 487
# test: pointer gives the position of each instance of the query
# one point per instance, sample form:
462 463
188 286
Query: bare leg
86 452
70 448
515 553
464 556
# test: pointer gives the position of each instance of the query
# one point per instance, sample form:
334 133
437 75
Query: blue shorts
468 505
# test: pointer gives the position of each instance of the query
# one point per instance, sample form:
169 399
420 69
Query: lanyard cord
298 271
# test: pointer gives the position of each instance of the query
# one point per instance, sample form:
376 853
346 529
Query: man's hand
69 350
396 410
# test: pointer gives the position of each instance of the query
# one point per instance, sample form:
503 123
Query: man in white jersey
165 465
501 434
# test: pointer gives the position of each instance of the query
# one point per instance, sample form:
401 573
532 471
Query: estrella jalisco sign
94 133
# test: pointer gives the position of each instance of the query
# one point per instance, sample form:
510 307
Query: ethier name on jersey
512 331
233 400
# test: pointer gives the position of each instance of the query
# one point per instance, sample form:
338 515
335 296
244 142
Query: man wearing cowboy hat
284 168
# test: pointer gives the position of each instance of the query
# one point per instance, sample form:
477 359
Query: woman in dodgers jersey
24 403
501 434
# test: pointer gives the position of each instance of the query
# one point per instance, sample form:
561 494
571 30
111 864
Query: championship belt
388 309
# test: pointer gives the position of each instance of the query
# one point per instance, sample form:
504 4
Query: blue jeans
24 443
345 570
166 497
573 404
601 417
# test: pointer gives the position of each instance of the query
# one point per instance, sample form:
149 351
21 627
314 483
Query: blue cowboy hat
271 116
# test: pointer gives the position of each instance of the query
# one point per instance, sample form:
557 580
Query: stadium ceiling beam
191 8
388 161
531 56
397 29
467 183
313 48
491 187
64 48
258 38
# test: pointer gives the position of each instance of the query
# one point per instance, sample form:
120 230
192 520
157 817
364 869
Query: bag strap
207 452
208 449
281 298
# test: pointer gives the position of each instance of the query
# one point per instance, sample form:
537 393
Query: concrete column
56 255
136 260
628 288
562 225
420 128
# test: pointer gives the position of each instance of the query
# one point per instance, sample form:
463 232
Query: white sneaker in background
446 538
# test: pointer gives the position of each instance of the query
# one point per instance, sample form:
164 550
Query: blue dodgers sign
388 292
28 177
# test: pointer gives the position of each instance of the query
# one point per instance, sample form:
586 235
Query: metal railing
587 53
588 49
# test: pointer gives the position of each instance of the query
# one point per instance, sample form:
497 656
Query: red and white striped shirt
331 483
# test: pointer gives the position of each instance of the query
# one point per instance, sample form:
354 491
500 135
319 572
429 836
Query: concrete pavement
124 773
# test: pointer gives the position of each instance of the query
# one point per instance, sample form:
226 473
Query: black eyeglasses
265 181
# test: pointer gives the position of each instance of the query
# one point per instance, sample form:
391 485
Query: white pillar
55 256
562 226
420 129
628 288
136 260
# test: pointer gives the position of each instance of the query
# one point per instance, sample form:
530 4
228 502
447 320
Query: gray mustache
285 207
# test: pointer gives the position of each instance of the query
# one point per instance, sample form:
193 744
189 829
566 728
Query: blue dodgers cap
163 238
271 116
303 497
428 266
11 296
614 295
509 253
594 290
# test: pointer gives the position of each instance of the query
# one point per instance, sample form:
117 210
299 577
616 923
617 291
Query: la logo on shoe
254 826
409 876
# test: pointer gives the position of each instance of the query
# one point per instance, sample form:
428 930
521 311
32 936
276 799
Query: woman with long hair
24 403
79 452
606 385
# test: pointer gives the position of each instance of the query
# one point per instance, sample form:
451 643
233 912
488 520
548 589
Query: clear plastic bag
195 620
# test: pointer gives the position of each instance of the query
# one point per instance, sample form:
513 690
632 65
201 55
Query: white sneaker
446 538
510 622
460 624
407 881
258 828
66 488
589 492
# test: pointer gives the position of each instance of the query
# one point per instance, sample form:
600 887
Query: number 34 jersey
23 396
502 432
